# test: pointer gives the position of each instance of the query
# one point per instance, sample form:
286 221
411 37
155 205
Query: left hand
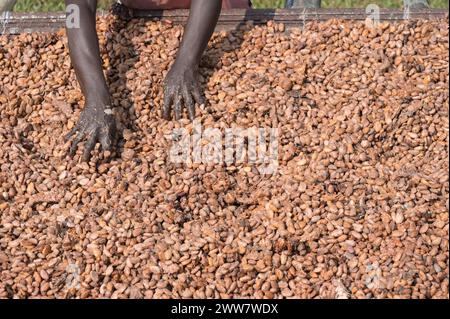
181 85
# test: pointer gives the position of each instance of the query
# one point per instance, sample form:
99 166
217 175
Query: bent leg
156 4
179 4
302 4
416 4
7 5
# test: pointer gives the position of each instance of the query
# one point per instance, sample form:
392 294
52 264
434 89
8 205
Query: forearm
201 23
85 53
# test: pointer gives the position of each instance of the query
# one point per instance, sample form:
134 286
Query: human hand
96 124
181 85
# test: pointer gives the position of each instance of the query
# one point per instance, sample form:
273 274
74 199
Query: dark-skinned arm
181 84
96 122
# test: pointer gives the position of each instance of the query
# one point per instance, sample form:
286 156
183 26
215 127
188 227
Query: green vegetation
350 3
55 5
381 3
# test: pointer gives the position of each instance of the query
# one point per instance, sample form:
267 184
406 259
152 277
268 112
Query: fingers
106 140
74 144
189 102
173 100
71 133
90 146
177 106
196 93
168 98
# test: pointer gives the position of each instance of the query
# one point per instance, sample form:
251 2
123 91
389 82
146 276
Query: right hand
96 124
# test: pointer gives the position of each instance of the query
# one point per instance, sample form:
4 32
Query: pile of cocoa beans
357 208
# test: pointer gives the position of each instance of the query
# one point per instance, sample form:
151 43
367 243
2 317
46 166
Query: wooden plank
15 23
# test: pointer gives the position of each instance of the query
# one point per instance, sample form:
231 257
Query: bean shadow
231 30
123 57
